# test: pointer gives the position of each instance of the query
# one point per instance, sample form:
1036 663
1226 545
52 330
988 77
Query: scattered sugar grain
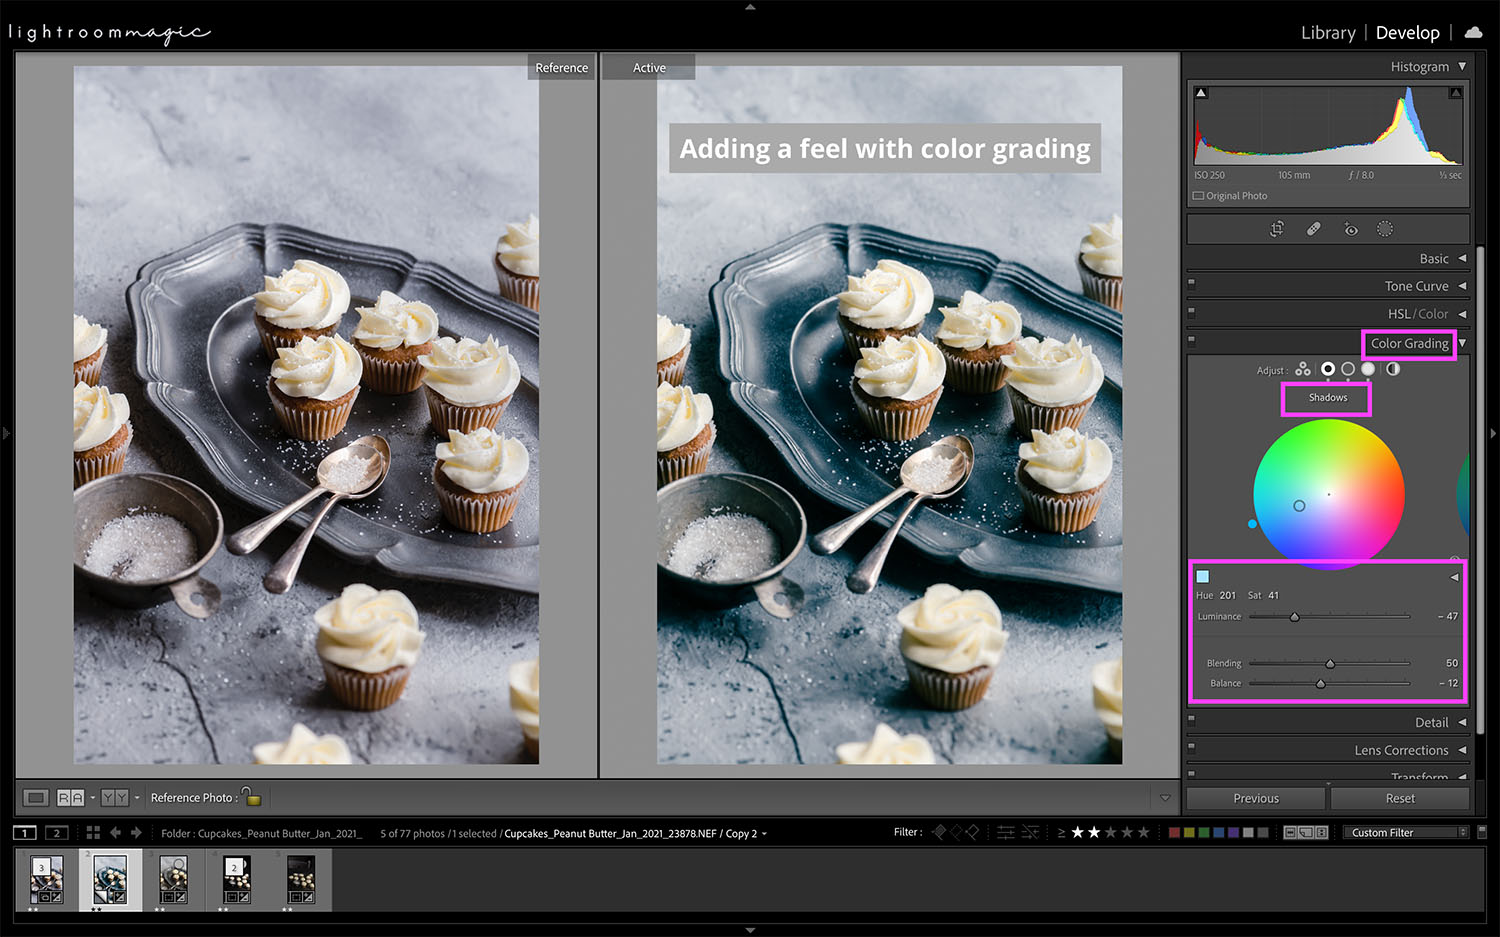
346 475
138 547
722 547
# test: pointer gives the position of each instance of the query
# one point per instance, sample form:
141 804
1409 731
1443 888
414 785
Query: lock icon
251 800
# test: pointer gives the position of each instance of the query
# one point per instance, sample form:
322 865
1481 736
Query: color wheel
1463 494
1329 489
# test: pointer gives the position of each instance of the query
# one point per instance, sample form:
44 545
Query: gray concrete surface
741 687
430 160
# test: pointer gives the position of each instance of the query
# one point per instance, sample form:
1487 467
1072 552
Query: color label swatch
1329 489
1463 494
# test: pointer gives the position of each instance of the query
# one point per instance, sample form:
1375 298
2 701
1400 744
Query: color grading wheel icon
1329 490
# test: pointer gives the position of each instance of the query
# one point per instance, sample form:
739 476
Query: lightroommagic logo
49 33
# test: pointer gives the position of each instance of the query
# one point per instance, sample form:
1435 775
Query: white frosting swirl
87 337
951 630
469 373
976 322
891 295
526 696
97 415
907 368
483 461
323 368
394 321
1053 374
1103 248
1109 696
306 296
519 247
680 415
1066 461
303 747
670 337
887 748
368 630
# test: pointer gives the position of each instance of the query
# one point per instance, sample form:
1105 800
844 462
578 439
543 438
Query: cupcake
525 702
390 337
303 747
671 350
685 432
890 300
368 641
1062 477
1051 385
951 641
1109 700
518 263
1101 262
479 477
313 385
974 336
468 384
887 748
306 300
101 432
896 386
88 350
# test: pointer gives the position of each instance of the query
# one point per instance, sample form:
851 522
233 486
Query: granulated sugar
932 474
138 547
722 547
346 475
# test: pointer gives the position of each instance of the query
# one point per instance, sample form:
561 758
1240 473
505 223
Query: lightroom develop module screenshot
851 643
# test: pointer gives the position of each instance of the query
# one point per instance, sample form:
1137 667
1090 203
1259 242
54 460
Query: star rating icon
1109 833
1078 832
1145 832
1128 832
1093 832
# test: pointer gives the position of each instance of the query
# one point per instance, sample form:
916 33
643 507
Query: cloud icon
1474 33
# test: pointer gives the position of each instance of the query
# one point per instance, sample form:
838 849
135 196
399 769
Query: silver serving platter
783 357
200 358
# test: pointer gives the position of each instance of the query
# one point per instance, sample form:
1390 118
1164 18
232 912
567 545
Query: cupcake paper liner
312 425
476 514
270 341
1104 289
366 691
446 415
86 470
1030 416
389 377
672 370
669 470
895 425
1060 514
89 369
973 377
517 288
855 342
949 691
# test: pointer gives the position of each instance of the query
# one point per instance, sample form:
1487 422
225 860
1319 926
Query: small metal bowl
688 499
104 499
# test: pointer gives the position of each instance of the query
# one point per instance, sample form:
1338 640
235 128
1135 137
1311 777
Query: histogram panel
1393 125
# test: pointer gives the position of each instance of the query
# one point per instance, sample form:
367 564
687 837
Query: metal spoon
250 536
831 538
375 452
936 472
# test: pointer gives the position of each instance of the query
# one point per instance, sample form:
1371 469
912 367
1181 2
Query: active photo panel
900 287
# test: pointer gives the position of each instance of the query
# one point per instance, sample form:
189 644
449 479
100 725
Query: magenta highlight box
1390 343
1368 388
1194 572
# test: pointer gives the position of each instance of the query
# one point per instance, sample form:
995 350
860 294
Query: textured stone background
741 687
430 160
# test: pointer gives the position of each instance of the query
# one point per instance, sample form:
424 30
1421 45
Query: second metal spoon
360 470
944 469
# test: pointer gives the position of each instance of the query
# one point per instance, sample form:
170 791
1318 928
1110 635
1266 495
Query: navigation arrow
1464 285
135 833
115 832
1463 777
1463 313
750 930
1454 577
1462 342
1462 65
1202 93
1463 722
1463 258
1463 749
